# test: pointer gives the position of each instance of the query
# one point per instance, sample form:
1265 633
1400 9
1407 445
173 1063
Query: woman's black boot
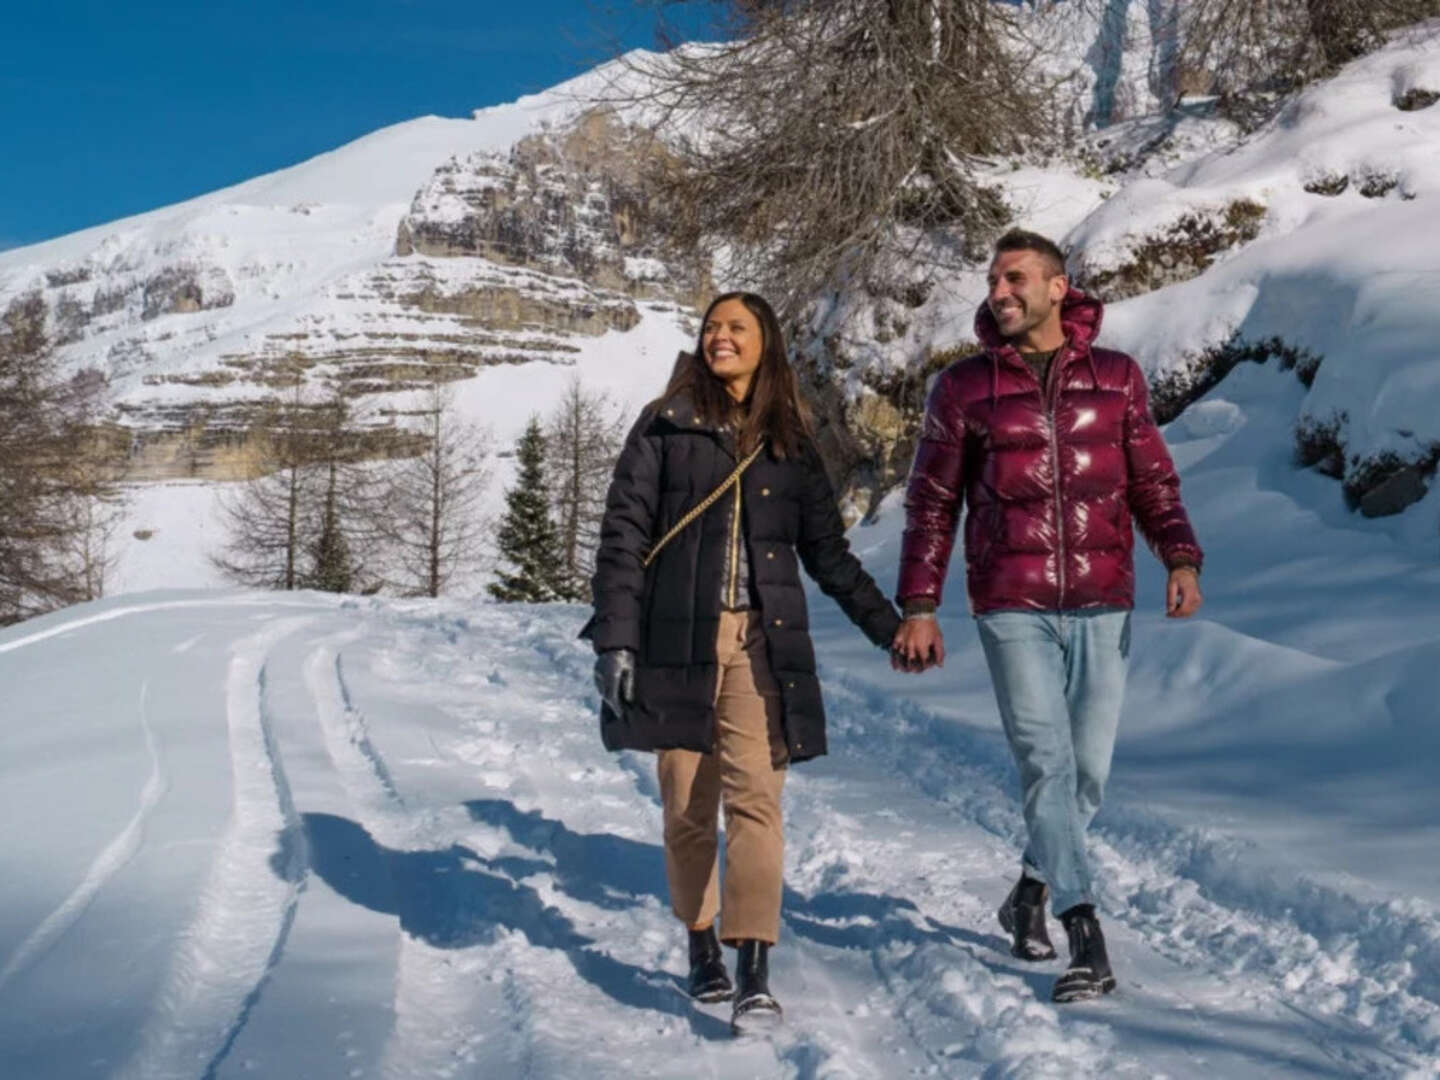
1023 917
1089 974
755 1007
709 981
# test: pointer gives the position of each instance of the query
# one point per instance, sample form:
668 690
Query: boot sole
710 997
1085 992
1007 923
756 1016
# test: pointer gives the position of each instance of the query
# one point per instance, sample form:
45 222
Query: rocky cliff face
508 258
574 204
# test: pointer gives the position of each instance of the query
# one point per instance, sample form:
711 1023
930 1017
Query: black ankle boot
1089 974
755 1007
1023 917
709 981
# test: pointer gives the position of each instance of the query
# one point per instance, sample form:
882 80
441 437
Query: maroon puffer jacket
1051 476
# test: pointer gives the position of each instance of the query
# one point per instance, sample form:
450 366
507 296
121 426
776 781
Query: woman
700 625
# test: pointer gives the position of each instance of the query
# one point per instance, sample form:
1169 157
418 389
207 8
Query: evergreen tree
527 538
330 554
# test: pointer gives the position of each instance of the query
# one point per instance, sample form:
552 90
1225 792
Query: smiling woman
703 634
168 100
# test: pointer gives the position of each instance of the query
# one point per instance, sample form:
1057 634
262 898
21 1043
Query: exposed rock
1172 392
1179 252
1329 184
1416 98
1402 488
1376 185
71 275
520 309
576 203
180 289
867 437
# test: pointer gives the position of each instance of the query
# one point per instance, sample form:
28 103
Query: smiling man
1049 442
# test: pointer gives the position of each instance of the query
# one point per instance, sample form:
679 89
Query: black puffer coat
669 614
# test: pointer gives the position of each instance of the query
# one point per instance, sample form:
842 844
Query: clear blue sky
112 107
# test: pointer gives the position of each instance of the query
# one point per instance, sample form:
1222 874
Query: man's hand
918 645
615 678
1182 593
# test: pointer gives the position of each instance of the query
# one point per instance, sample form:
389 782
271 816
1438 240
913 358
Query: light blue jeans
1059 679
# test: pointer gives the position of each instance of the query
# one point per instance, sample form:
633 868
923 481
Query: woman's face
732 342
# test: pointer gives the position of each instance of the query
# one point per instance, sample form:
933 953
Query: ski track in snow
1369 972
247 907
535 940
438 1029
116 854
254 600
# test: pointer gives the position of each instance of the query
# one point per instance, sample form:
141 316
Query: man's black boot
1023 917
1089 974
755 1007
709 981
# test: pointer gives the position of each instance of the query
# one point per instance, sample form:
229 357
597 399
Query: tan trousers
744 775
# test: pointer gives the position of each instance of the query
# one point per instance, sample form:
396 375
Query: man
1050 443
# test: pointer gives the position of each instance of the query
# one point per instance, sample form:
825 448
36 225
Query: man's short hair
1021 240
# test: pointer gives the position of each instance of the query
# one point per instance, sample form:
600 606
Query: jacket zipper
734 586
1050 394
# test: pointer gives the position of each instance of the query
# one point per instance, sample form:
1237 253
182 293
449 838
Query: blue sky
109 109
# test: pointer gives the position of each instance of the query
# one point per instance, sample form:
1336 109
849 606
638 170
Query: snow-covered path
381 839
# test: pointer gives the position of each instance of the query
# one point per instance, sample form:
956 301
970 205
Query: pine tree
331 569
527 538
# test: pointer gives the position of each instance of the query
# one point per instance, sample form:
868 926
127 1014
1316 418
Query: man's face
1024 291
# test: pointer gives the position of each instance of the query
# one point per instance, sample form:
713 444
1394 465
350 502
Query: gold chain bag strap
703 505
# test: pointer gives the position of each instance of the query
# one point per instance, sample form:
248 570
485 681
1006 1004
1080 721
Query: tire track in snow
435 1032
258 600
247 907
105 866
1371 970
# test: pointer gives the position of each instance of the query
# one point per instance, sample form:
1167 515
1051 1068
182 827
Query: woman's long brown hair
773 409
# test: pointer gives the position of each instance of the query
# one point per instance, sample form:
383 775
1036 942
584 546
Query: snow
299 835
1346 276
296 835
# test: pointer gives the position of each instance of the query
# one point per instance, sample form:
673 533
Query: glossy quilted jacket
1050 476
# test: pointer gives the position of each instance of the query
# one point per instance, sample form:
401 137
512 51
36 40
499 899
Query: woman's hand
615 678
918 645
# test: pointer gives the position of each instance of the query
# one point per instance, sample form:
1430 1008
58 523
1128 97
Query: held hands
1182 593
918 646
615 678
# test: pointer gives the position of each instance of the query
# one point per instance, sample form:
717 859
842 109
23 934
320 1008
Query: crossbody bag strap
703 505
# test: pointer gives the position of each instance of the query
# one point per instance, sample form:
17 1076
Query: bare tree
432 510
830 139
265 517
89 470
57 502
306 519
582 440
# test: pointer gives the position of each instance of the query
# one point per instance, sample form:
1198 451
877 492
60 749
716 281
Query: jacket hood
1080 317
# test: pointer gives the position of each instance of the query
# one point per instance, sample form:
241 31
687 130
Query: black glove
615 678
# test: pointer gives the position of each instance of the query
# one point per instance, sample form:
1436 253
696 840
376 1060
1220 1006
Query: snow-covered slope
194 313
296 836
1343 262
306 837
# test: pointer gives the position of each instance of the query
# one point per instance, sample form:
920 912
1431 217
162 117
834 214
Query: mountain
434 249
301 835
